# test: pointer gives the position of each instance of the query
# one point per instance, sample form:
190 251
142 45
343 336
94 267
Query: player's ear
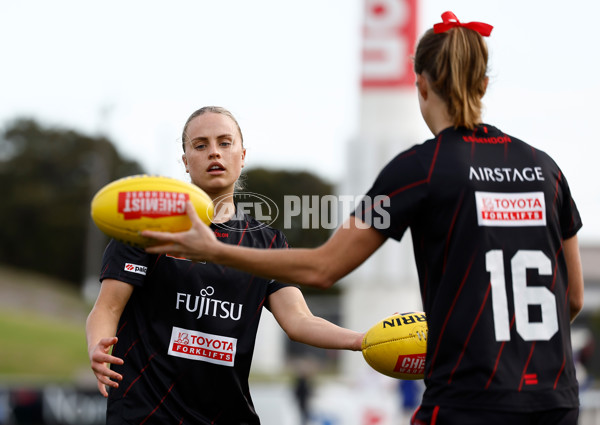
184 159
422 86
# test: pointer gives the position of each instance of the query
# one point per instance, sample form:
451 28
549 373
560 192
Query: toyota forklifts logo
511 209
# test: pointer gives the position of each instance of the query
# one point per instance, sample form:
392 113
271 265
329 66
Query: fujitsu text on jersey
206 306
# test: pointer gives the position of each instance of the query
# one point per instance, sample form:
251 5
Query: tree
48 176
298 188
304 229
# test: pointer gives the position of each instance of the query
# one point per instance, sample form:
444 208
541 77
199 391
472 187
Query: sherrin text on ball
396 346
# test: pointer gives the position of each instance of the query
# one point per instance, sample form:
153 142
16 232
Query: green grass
40 349
42 330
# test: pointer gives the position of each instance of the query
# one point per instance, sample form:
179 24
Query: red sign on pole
389 39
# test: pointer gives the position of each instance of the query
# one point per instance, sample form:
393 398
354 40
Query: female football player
494 231
179 335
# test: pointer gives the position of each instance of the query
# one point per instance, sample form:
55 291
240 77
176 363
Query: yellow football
125 207
396 346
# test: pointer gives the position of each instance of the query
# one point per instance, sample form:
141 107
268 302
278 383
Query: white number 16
523 295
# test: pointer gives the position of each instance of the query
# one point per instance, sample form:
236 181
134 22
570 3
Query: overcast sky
290 72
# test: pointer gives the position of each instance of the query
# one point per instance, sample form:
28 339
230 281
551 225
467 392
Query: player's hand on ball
397 345
193 244
100 359
125 207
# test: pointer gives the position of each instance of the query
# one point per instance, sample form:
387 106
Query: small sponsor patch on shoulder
135 268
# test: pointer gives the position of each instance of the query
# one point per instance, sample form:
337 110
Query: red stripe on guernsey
420 182
121 328
407 154
462 283
474 134
158 405
487 385
243 234
412 419
566 304
555 267
434 416
572 223
272 242
435 154
151 270
523 375
462 353
454 217
558 179
130 347
257 311
562 367
260 306
103 271
216 418
139 376
408 186
425 276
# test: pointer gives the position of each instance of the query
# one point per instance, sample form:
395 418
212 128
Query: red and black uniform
487 214
188 332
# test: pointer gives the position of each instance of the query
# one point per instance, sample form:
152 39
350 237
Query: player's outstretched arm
321 267
295 318
100 330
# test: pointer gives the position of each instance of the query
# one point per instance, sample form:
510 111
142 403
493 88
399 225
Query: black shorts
438 415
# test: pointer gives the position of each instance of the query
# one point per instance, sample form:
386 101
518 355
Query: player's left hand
194 244
100 359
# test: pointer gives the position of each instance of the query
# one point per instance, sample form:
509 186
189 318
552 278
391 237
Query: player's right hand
195 244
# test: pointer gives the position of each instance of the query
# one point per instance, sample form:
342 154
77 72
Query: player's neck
224 208
438 118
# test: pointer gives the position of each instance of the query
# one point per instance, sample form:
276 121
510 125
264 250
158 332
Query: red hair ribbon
451 21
